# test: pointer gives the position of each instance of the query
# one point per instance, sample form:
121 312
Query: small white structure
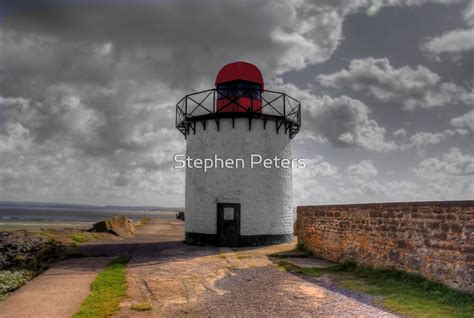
245 200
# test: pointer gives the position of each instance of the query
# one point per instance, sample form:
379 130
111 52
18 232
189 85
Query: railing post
299 114
251 98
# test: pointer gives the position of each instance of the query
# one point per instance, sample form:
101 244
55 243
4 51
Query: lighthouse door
228 224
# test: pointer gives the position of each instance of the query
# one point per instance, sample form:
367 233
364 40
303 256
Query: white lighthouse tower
235 203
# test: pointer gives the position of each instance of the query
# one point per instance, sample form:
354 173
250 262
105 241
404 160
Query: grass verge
107 291
401 292
141 307
70 236
143 221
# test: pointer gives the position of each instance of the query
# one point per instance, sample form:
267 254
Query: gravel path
266 292
178 280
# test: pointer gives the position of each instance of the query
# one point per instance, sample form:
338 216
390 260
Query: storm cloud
87 95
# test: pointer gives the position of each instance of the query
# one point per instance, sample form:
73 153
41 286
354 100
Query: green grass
69 236
79 238
141 307
313 271
107 291
143 221
401 292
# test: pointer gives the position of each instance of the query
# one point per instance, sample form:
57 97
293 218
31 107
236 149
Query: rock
19 245
180 215
118 225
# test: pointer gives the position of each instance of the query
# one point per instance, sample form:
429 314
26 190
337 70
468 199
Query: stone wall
433 239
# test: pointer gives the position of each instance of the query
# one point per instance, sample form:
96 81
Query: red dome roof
239 71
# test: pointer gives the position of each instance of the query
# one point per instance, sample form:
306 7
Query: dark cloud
87 92
342 121
179 42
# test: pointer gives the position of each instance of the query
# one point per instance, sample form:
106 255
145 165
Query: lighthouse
245 197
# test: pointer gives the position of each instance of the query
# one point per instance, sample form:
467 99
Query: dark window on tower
256 90
223 91
240 89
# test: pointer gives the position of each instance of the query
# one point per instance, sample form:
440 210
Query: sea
14 219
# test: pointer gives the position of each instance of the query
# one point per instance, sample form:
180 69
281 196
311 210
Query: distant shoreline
32 219
28 225
69 206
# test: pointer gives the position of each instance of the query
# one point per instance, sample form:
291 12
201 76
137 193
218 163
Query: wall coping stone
464 203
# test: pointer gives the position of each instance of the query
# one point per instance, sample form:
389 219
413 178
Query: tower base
245 240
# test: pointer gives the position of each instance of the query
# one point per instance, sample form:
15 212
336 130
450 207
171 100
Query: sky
88 92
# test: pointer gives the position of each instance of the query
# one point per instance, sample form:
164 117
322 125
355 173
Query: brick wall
434 239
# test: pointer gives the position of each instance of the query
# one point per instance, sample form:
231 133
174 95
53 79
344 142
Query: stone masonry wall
433 239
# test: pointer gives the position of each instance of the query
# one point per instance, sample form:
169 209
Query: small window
233 89
256 91
228 214
223 91
240 89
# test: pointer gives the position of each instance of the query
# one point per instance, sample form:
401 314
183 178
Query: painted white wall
265 195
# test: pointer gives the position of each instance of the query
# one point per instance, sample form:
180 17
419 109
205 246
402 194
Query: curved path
56 293
179 280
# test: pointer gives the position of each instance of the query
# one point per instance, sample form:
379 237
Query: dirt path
56 293
178 280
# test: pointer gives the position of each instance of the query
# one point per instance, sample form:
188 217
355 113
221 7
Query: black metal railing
214 104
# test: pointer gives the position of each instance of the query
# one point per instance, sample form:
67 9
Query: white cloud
400 133
451 164
454 41
361 189
100 96
316 167
343 121
63 146
403 190
346 122
87 112
414 87
450 176
306 181
468 14
465 121
364 169
16 138
422 139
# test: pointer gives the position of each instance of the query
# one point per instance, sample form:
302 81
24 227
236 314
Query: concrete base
245 240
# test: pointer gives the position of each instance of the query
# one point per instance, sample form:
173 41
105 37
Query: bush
12 279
